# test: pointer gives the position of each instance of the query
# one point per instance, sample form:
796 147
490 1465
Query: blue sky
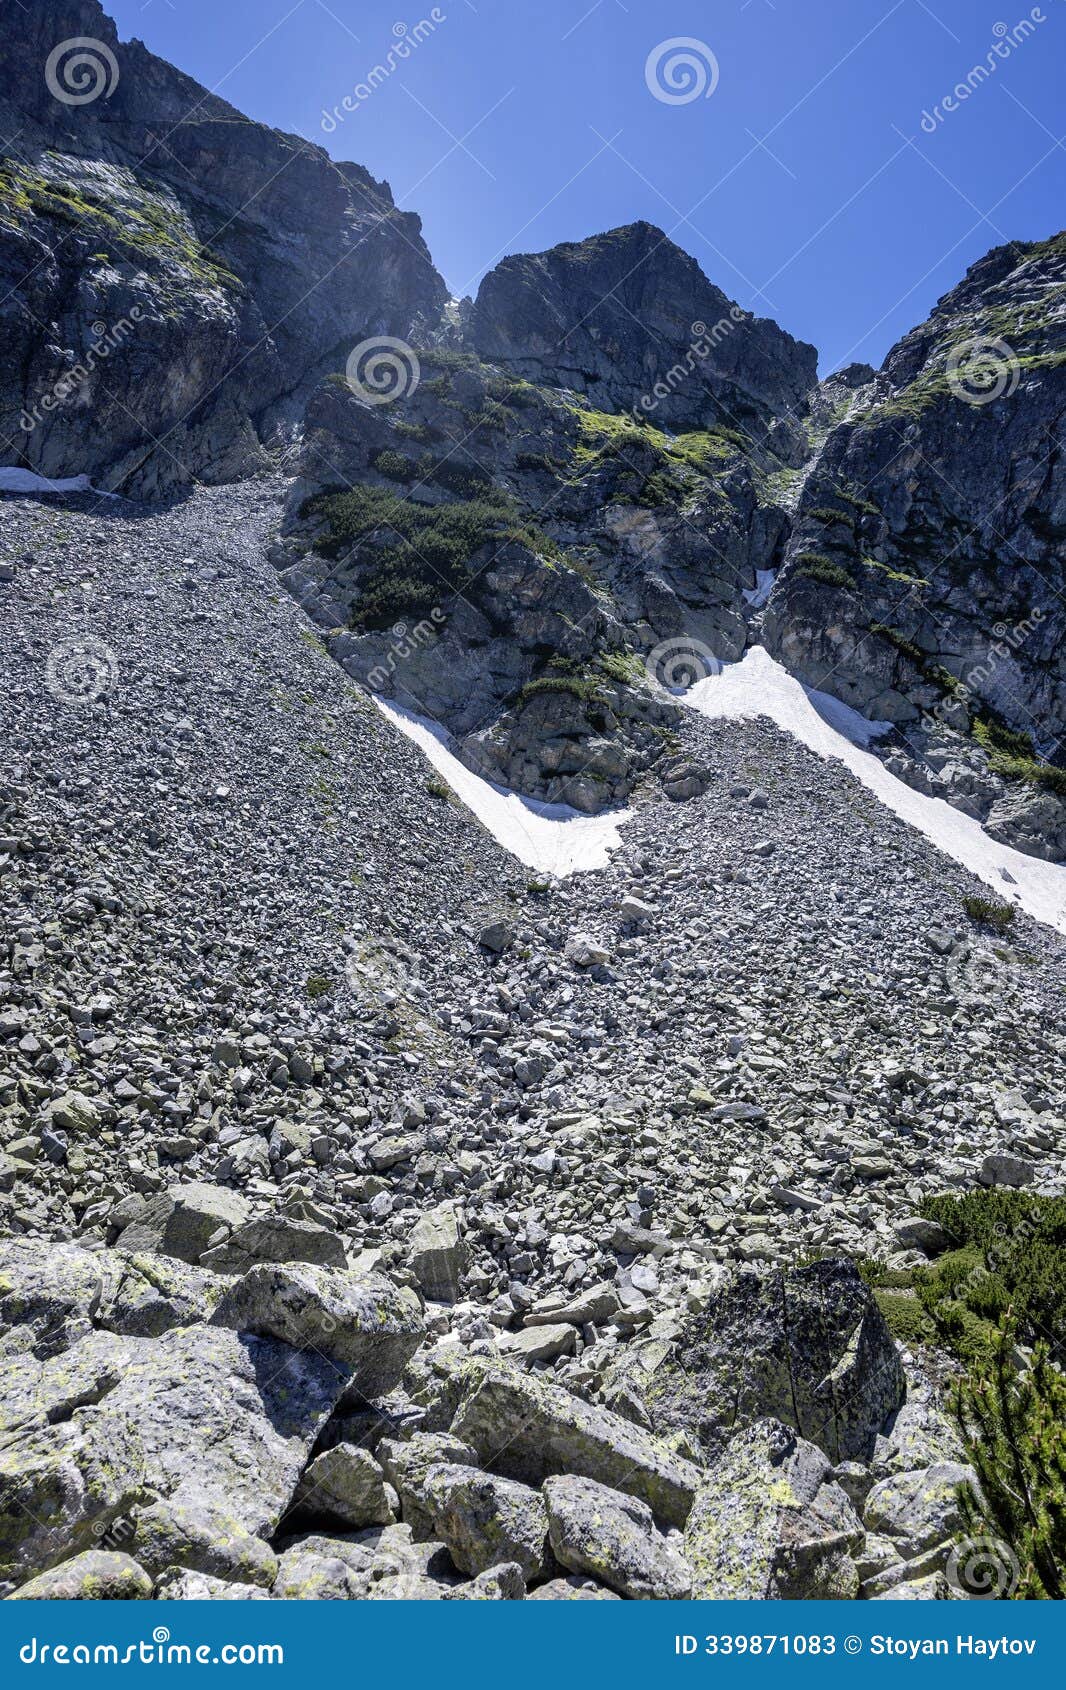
806 185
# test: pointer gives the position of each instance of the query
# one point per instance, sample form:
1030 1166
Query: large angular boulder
438 1255
276 1238
807 1346
918 1510
202 1537
96 1575
367 1328
226 1418
528 1429
486 1520
49 1291
771 1524
407 1463
613 1538
186 1221
345 1484
63 1486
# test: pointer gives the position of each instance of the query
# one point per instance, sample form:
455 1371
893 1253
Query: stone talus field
381 1218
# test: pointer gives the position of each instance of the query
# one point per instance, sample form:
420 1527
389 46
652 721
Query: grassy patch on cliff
1013 756
813 566
415 555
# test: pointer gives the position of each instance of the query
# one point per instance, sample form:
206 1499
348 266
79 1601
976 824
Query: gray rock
63 1486
486 1520
186 1586
770 1524
437 1254
202 1537
367 1328
503 1583
807 1346
345 1483
918 1510
613 1538
572 1590
96 1575
186 1221
276 1238
529 1429
1004 1169
407 1464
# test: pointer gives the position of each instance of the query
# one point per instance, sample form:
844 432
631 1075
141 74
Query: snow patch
758 595
553 839
13 480
759 686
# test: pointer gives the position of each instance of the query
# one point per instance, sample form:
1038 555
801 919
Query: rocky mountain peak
630 320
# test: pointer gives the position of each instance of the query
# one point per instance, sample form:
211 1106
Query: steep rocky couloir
925 569
557 561
176 276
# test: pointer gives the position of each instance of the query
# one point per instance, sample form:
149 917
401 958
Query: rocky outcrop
172 270
807 1345
630 320
923 580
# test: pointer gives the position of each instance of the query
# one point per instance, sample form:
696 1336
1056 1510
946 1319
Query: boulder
185 1586
202 1537
276 1238
63 1486
918 1510
186 1221
366 1328
437 1254
770 1523
807 1346
96 1575
345 1484
527 1428
224 1418
612 1538
486 1520
503 1583
407 1463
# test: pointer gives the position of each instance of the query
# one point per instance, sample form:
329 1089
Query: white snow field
14 480
759 686
552 839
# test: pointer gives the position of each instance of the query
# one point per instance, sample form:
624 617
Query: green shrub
395 466
826 514
989 912
813 566
318 987
1014 1426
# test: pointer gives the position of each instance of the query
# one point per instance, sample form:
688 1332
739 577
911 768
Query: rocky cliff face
172 271
925 575
630 320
